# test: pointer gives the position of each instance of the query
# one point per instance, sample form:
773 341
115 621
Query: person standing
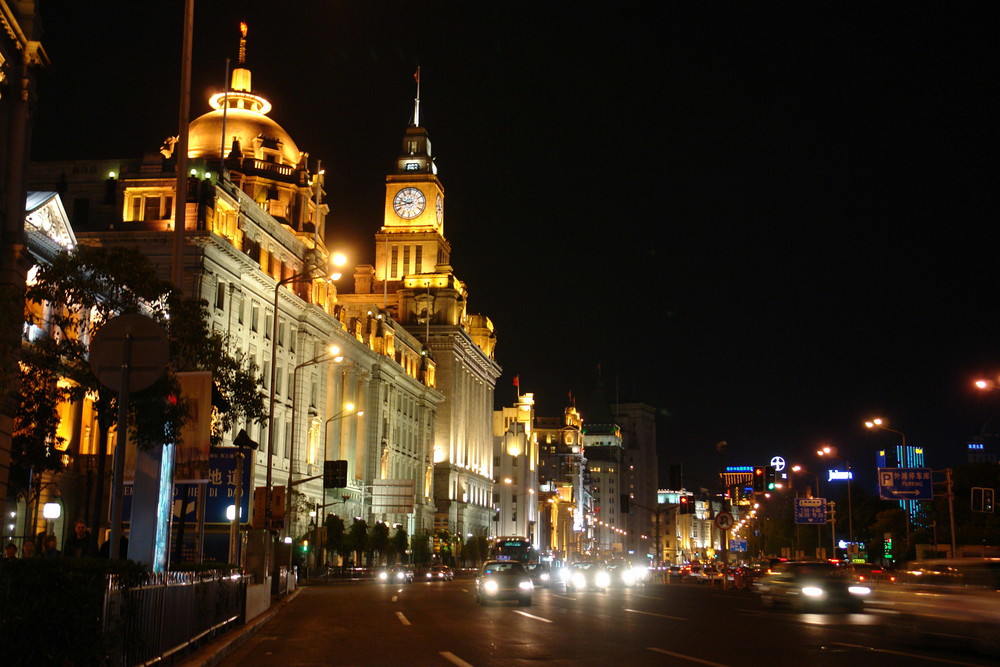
50 547
80 543
28 549
10 550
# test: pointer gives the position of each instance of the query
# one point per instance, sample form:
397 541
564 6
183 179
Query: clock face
439 208
409 203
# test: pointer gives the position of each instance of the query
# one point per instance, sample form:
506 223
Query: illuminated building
413 282
640 466
515 470
565 503
255 216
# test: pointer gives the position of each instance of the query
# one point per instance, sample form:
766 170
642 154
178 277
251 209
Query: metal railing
170 613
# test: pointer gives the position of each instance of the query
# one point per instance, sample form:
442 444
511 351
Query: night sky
769 223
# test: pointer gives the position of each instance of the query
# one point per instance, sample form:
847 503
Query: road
439 623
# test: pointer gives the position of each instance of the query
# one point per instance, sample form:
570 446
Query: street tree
400 543
379 540
335 534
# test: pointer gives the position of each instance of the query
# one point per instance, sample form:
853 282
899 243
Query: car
540 573
397 574
503 580
582 576
946 601
624 574
811 586
439 573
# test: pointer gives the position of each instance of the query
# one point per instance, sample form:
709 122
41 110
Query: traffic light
770 478
686 506
334 474
988 500
758 479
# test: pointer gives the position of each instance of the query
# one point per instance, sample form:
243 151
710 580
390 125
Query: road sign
724 520
737 545
148 352
810 510
905 484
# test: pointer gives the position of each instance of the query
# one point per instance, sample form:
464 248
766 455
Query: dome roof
205 134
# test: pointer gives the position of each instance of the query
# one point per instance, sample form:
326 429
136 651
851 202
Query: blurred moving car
955 600
439 573
582 576
540 573
624 574
397 574
811 586
503 580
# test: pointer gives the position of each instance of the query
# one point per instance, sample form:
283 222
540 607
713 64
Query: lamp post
819 526
310 273
879 423
349 409
331 354
832 452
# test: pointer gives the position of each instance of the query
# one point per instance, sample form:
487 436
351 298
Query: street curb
225 644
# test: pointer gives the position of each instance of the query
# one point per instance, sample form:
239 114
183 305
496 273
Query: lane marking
537 618
685 657
908 655
402 619
564 597
649 613
454 659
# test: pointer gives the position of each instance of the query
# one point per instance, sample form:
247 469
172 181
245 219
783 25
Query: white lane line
908 655
402 619
537 618
454 659
685 657
649 613
395 597
464 590
564 597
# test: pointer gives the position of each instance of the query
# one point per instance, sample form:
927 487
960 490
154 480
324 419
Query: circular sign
778 463
148 352
724 520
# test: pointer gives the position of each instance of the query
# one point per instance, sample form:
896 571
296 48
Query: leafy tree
475 550
359 539
77 293
400 543
420 546
335 534
379 540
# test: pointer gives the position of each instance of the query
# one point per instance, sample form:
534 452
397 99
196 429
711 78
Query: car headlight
579 581
490 586
859 590
429 575
383 576
400 575
628 578
526 585
813 591
564 575
602 580
544 576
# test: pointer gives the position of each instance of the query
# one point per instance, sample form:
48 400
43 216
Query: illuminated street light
311 272
832 452
880 423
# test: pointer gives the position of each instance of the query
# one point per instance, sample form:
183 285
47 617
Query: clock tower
411 240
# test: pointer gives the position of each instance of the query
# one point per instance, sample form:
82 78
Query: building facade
515 469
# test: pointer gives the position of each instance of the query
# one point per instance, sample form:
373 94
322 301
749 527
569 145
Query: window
239 308
281 332
392 263
268 324
278 378
144 205
255 317
220 295
419 258
406 260
292 332
266 373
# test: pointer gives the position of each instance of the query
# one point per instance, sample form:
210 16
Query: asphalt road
439 623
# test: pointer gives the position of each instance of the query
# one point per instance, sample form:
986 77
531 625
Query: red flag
416 75
517 380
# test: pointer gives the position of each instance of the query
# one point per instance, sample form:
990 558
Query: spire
416 101
243 43
240 94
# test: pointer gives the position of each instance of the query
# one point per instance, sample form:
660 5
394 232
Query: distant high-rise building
907 456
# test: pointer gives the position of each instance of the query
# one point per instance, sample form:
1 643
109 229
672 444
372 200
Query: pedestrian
80 543
50 547
29 549
10 550
122 547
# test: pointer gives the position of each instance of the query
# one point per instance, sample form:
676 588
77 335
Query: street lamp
337 259
878 422
832 452
332 353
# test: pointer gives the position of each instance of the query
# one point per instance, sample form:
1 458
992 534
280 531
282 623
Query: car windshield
817 570
503 568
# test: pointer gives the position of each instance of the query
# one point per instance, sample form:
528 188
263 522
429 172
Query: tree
335 534
359 539
400 543
420 546
76 294
379 540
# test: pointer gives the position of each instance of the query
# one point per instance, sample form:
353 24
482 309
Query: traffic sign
724 520
810 510
905 484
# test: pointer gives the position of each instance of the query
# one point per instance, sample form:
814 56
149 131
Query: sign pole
118 471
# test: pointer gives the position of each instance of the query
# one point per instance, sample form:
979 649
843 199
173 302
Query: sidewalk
220 647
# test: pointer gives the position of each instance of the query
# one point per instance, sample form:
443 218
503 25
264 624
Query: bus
514 548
